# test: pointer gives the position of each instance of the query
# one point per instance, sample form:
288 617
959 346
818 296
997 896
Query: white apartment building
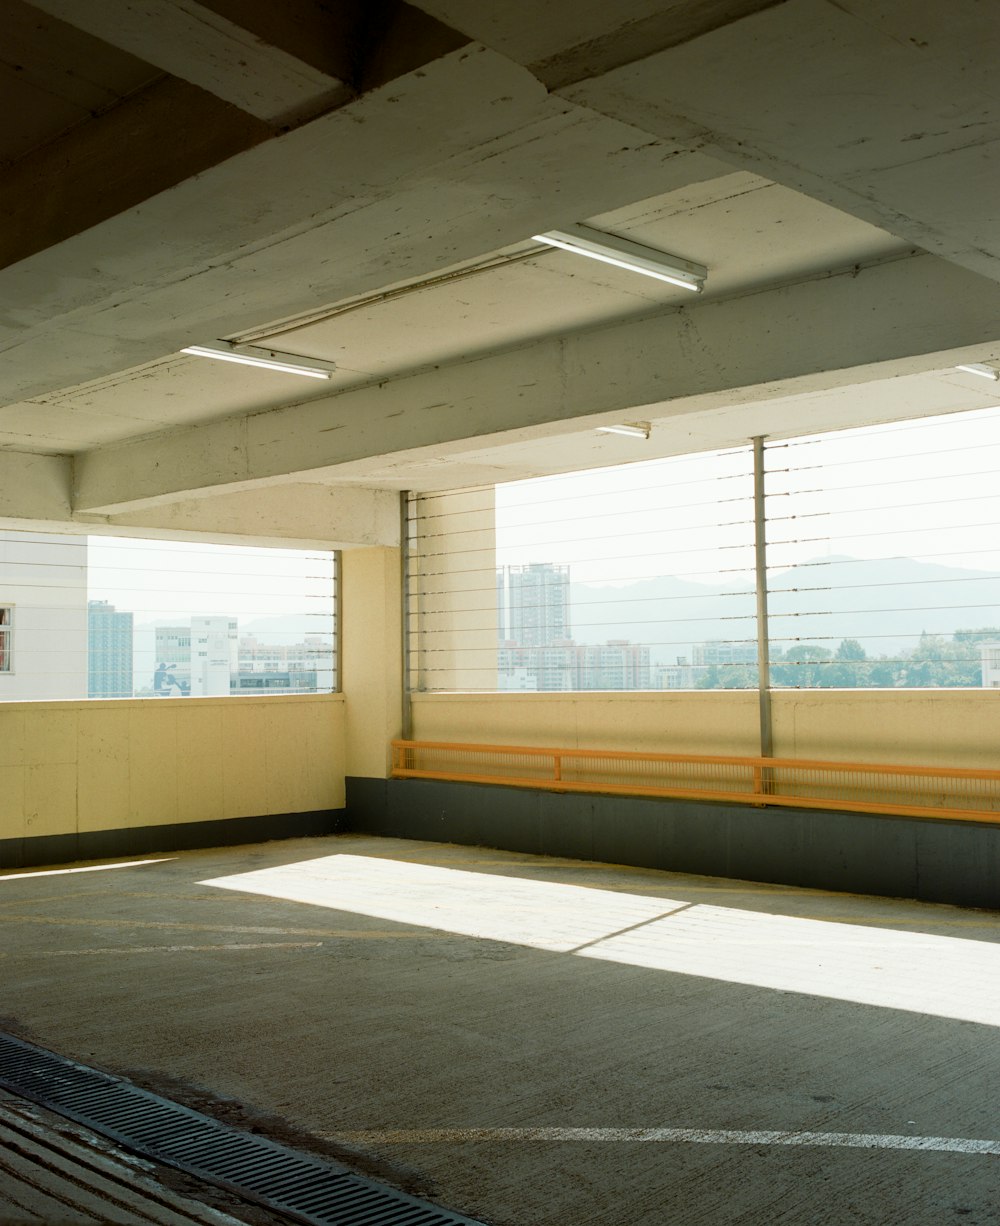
989 660
198 659
213 655
43 616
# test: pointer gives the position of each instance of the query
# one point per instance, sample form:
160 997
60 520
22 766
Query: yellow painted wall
371 648
69 767
912 727
698 722
916 727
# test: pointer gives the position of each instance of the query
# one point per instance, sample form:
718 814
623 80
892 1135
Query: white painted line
697 1136
175 949
87 868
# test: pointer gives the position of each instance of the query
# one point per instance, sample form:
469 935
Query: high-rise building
704 655
615 665
109 651
533 604
679 676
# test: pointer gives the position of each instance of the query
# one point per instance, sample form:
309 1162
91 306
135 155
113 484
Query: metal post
406 722
338 622
760 573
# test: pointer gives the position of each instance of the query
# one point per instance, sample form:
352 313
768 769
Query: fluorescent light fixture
623 253
981 369
630 431
287 363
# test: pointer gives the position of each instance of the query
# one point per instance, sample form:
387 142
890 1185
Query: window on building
6 638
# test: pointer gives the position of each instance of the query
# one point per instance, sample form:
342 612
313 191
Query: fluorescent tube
981 369
623 253
226 354
628 431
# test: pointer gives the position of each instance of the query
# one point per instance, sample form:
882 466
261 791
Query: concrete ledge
898 857
182 836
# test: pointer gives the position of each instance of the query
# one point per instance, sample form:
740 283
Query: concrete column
371 647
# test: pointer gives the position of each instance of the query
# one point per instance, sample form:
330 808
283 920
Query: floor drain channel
312 1190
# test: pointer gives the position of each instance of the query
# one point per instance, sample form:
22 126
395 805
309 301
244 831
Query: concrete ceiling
360 182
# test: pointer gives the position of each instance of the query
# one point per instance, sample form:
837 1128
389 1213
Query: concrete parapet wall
74 768
911 727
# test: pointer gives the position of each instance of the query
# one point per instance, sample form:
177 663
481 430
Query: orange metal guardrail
905 791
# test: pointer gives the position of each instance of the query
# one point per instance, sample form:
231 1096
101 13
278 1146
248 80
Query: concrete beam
827 332
888 111
35 487
569 40
35 496
114 162
468 155
258 74
320 516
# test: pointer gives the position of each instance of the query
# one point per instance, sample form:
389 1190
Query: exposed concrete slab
820 333
196 44
857 132
597 36
115 162
41 79
885 116
541 1041
468 155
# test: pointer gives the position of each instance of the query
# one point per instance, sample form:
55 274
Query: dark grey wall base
899 857
185 836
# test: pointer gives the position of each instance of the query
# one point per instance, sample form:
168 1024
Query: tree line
935 662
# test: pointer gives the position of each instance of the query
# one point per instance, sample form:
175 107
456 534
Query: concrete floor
538 1042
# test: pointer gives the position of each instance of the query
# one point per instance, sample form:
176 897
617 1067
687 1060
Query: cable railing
949 793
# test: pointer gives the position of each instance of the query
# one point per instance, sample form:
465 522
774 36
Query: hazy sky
159 580
924 489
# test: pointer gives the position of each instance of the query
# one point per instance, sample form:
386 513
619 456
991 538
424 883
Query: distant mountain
885 604
291 628
668 612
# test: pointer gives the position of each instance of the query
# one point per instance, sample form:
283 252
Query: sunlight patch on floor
944 976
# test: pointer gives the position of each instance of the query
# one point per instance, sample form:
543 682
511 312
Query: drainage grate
311 1190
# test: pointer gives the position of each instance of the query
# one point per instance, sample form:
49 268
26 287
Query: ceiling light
287 363
981 369
623 253
630 431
